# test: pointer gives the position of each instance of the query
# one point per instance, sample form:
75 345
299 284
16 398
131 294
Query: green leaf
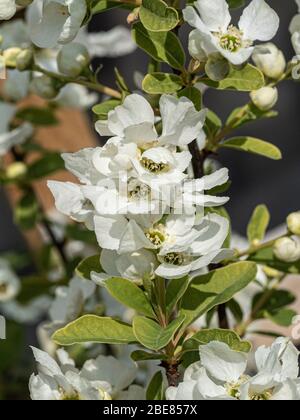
213 124
160 83
130 295
101 6
79 232
215 288
89 265
38 116
156 388
175 290
49 163
266 257
254 146
34 286
162 46
193 94
234 4
27 211
283 317
225 336
258 224
102 110
244 80
94 329
140 355
246 114
12 348
278 300
152 335
156 16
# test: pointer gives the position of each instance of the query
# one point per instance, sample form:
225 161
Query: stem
254 248
222 315
243 327
198 159
98 87
172 373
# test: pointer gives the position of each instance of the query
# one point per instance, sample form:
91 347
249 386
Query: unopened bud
293 223
23 3
265 98
16 170
270 60
25 60
10 56
287 249
45 86
73 59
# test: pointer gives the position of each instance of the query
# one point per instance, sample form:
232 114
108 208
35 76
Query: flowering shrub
140 282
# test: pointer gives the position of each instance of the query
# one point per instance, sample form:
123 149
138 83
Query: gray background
255 180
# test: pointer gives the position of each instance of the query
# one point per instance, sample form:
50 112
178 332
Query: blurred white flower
10 138
10 284
52 22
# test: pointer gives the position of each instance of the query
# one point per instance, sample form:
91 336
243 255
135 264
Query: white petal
133 239
259 21
223 363
109 231
214 14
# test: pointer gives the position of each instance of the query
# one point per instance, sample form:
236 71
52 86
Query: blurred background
255 180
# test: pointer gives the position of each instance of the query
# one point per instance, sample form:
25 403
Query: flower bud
16 170
287 249
7 9
25 60
73 59
45 86
265 98
270 60
10 56
293 223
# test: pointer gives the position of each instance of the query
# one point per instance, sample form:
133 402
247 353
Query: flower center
137 190
156 236
233 40
154 167
3 288
233 388
176 258
265 396
87 205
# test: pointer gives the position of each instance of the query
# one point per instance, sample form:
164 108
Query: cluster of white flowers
221 374
147 216
104 378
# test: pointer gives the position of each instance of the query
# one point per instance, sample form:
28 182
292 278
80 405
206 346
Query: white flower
14 137
270 60
265 98
69 301
72 59
212 21
113 43
28 313
16 86
10 284
287 249
7 9
204 248
53 22
134 122
69 200
221 374
136 267
15 34
75 96
102 379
